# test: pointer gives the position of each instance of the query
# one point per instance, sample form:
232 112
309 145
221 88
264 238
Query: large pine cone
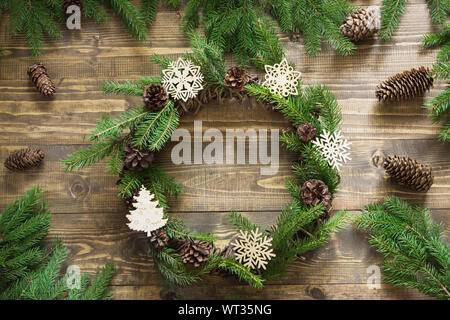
405 85
195 252
236 79
306 131
68 3
155 97
361 24
38 74
159 238
24 158
315 192
136 159
409 172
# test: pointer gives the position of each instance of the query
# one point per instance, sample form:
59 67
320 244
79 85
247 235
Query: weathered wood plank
95 239
270 292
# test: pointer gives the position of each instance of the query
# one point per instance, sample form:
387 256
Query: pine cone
195 252
314 192
38 74
409 172
405 85
306 131
159 238
361 24
24 158
155 97
68 3
136 159
236 78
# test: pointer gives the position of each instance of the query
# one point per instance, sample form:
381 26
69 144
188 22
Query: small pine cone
409 172
159 238
315 192
136 159
155 97
38 74
236 79
24 158
405 85
68 3
195 252
306 131
361 24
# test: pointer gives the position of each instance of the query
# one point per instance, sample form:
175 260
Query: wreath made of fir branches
180 255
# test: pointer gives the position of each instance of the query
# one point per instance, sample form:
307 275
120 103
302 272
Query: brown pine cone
38 74
306 131
155 97
24 158
68 3
361 24
136 159
315 192
409 172
236 78
159 238
195 252
405 85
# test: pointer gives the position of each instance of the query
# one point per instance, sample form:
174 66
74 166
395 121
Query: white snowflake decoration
282 79
147 216
334 148
182 79
253 250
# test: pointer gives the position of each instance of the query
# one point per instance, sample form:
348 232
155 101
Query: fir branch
157 128
131 18
160 60
437 39
112 127
239 222
391 13
92 9
127 88
148 10
171 268
131 182
411 242
98 290
439 10
241 271
177 230
91 155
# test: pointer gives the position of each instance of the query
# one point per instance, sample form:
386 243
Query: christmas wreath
133 139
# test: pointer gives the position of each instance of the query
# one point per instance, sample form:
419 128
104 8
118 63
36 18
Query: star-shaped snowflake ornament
182 79
147 216
281 79
334 148
253 250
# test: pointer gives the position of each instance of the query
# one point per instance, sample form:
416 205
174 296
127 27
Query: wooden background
91 220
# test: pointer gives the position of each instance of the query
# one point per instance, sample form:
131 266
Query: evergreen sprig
439 107
415 255
244 28
393 10
28 270
38 17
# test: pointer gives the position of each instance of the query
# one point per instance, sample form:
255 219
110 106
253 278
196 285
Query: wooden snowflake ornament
182 79
147 216
253 250
281 79
334 148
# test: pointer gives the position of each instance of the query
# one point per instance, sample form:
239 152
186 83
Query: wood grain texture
91 220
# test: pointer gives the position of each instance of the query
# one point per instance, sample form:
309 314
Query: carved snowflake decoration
147 216
334 148
282 79
253 250
182 79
